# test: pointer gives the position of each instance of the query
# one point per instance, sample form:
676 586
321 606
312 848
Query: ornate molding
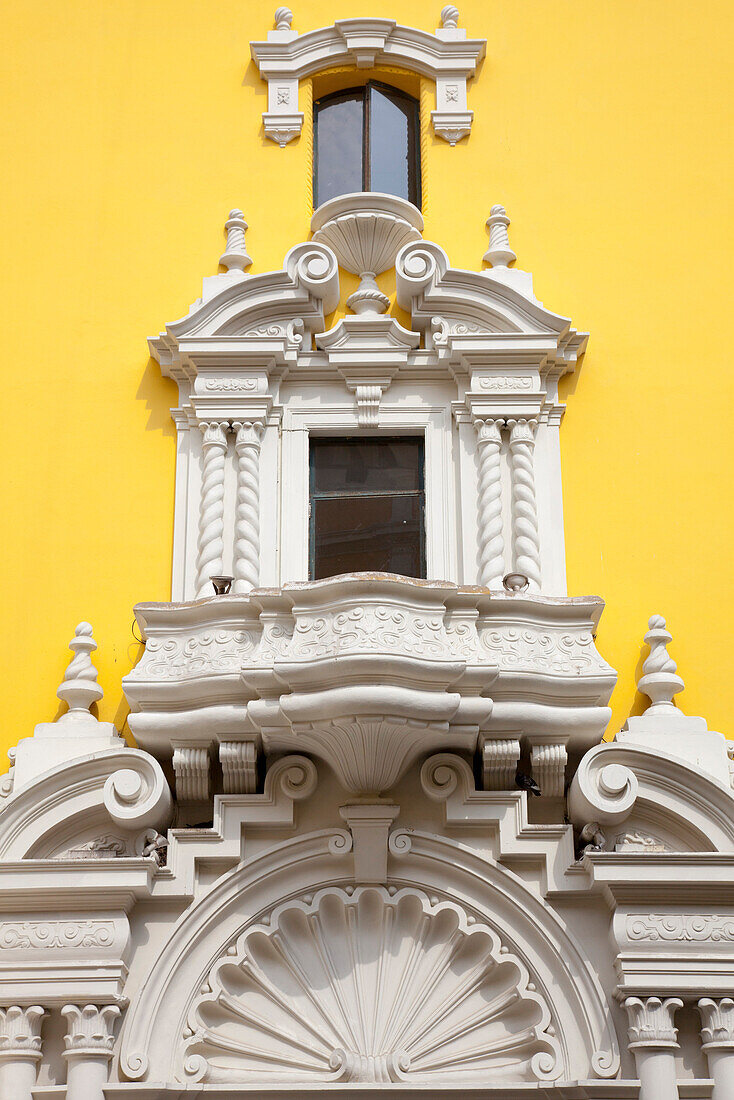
500 757
32 935
200 654
239 766
680 928
191 764
548 762
435 995
447 57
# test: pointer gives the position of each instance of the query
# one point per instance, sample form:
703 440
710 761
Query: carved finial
659 679
449 17
499 253
80 688
235 257
283 19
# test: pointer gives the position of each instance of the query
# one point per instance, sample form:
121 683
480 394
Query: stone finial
499 253
80 688
235 257
449 18
659 679
283 19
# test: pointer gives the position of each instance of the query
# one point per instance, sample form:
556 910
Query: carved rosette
368 986
20 1033
247 516
526 541
211 512
651 1022
491 541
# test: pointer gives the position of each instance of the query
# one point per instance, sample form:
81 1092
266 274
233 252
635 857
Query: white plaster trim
447 57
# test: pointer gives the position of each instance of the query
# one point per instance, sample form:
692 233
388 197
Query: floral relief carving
376 628
200 655
230 385
506 382
683 927
370 986
542 651
31 935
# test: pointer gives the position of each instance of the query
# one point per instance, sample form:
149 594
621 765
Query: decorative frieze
32 935
681 928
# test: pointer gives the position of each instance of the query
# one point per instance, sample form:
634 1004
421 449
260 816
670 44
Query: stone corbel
192 767
500 757
368 390
548 762
239 757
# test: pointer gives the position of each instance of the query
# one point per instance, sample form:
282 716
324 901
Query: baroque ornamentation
525 538
681 927
200 655
370 987
541 651
230 385
375 628
506 382
34 935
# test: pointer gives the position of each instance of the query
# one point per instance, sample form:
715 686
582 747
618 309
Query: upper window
366 139
367 506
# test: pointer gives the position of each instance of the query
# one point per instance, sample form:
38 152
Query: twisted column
717 1034
20 1050
211 509
525 538
247 516
654 1040
491 541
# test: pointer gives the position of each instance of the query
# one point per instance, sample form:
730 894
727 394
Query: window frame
413 151
341 494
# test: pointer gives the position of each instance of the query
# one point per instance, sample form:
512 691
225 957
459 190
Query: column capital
90 1030
717 1016
214 432
20 1032
249 433
488 429
651 1022
522 431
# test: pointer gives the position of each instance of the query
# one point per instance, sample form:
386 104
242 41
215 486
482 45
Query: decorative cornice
447 57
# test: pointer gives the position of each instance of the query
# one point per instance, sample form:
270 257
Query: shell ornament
370 986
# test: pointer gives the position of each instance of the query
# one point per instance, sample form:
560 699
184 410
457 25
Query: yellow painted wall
129 130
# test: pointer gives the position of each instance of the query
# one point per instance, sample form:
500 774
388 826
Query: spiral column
211 508
247 515
525 538
491 541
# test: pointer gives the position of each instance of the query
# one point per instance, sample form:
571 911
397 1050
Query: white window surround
257 374
447 57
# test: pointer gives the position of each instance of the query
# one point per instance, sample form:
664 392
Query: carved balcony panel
368 672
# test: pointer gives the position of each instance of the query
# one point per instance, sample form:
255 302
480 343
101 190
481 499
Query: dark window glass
366 139
339 145
390 143
367 506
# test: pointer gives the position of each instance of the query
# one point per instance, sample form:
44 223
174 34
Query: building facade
370 834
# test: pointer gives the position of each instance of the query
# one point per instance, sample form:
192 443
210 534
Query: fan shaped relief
370 985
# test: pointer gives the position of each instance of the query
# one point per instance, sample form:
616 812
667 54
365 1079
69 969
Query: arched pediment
255 982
